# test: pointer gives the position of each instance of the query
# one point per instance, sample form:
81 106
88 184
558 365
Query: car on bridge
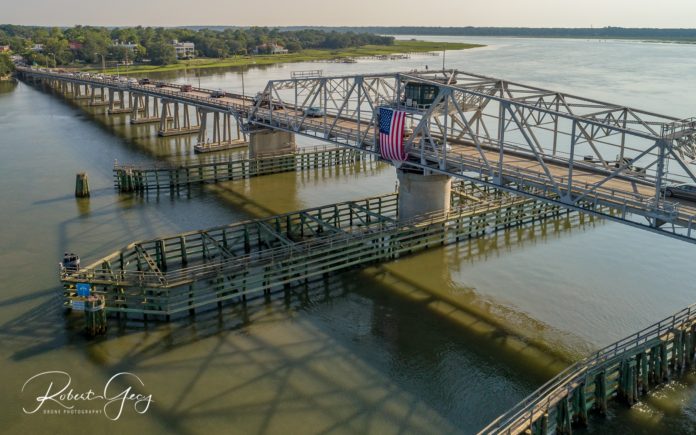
217 94
144 81
313 112
186 88
681 191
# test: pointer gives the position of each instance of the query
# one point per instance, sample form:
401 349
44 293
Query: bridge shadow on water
342 350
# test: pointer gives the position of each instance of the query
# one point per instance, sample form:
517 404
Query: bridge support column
421 194
122 104
150 112
78 94
97 96
176 128
222 133
266 142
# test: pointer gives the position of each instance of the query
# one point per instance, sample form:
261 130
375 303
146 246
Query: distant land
677 35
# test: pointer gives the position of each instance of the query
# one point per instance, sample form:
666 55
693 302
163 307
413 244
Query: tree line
532 32
90 44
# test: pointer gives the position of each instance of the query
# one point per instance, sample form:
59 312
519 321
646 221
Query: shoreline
399 47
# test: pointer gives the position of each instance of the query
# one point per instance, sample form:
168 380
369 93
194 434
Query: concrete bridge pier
78 94
172 124
149 106
266 142
98 96
421 194
122 104
222 137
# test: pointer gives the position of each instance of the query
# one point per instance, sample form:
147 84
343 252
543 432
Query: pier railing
135 178
332 240
524 415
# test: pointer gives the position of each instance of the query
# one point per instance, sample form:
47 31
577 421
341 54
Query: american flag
391 134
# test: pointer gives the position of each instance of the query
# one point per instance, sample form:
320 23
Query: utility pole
243 93
444 53
102 61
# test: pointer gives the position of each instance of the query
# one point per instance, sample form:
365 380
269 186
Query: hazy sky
532 13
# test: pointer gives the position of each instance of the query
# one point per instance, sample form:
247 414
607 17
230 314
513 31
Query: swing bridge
517 154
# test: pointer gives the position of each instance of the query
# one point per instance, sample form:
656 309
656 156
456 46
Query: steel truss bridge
572 151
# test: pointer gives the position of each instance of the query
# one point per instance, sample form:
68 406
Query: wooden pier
130 178
623 371
180 274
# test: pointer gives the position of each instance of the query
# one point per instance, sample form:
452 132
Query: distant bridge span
567 150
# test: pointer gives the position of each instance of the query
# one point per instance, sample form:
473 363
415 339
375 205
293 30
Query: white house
127 45
184 50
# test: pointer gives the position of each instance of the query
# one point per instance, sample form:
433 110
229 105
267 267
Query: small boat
71 261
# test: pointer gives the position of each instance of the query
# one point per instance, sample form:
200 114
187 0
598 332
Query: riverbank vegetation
399 47
148 49
84 44
6 66
610 32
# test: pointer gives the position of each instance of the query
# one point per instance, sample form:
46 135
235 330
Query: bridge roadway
522 162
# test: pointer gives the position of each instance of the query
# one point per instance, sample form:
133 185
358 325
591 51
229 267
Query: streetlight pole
243 93
103 63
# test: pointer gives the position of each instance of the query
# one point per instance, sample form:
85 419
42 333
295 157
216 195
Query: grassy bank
399 47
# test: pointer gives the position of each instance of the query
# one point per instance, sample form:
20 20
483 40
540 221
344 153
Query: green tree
95 41
58 48
161 52
6 65
293 46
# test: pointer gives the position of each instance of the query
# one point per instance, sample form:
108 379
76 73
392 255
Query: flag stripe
391 134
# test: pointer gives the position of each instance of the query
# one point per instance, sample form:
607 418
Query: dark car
682 191
160 84
314 112
217 94
144 81
185 88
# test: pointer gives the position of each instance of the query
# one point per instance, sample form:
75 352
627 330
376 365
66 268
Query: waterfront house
271 48
130 46
184 50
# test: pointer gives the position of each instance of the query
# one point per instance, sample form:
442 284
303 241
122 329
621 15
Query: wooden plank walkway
131 178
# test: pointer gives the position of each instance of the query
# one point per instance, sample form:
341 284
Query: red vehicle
185 88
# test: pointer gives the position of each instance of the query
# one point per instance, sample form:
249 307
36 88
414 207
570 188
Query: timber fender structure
198 270
623 371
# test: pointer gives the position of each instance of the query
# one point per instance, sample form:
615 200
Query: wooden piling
81 185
